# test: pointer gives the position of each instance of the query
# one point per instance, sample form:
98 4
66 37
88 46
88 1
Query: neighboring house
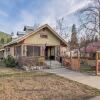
91 49
20 34
43 43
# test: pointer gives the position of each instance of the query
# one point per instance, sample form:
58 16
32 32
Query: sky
15 14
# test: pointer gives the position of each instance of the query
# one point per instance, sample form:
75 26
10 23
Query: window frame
16 50
43 35
39 48
33 52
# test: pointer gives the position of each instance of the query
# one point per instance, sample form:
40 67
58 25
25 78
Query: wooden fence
72 62
75 61
98 63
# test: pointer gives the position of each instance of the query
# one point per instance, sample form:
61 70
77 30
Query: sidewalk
96 98
93 81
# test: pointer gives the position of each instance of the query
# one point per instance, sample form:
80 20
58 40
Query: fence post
97 62
79 60
71 59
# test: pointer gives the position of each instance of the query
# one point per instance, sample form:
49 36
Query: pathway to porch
93 81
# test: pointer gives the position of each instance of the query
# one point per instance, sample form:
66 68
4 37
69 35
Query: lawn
20 85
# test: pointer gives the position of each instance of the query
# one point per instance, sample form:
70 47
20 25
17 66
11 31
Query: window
8 51
29 51
24 49
33 51
36 51
43 35
18 50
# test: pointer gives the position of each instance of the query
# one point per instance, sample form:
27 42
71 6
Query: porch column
21 50
55 52
24 50
42 52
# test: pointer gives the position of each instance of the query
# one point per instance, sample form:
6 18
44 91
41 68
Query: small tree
10 61
62 28
2 40
8 40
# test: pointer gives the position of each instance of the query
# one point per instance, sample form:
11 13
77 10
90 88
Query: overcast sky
15 14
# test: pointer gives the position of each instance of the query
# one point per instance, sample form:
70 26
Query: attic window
43 35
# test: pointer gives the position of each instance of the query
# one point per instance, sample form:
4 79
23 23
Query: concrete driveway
93 81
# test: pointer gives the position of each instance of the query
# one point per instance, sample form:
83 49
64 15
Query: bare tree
90 18
90 23
62 28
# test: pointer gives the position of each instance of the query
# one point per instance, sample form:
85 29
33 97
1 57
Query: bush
10 61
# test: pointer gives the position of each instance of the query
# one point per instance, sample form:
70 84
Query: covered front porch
49 52
36 54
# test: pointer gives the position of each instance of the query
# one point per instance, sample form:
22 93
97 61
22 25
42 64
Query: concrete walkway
93 81
96 98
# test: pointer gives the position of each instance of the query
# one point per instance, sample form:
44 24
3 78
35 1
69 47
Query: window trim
33 51
43 35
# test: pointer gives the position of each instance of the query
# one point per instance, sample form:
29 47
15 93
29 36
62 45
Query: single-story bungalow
42 43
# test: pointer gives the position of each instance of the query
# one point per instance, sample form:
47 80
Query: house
90 49
38 45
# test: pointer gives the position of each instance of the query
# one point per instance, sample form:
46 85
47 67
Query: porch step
53 64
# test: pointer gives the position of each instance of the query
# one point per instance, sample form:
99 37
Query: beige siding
12 51
36 39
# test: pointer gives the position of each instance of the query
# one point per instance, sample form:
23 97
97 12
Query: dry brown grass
42 86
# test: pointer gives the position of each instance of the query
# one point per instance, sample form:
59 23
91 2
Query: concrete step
53 64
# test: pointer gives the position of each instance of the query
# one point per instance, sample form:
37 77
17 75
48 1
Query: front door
50 53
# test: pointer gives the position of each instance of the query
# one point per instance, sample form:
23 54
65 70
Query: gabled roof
33 32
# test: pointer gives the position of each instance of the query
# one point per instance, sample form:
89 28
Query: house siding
36 39
11 52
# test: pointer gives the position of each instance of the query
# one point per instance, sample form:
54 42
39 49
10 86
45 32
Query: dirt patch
43 86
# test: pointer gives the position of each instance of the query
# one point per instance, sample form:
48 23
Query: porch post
42 51
21 50
24 50
55 52
98 63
